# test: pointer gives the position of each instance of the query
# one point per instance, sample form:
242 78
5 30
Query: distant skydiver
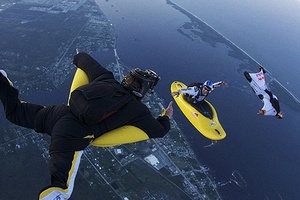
69 134
258 84
197 92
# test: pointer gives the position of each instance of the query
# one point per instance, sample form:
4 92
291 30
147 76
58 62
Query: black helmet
147 78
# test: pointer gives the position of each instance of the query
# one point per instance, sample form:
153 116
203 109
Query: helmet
147 79
208 84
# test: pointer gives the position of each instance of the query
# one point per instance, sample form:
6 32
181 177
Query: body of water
268 30
264 150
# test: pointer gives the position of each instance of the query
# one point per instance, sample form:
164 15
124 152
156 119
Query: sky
268 30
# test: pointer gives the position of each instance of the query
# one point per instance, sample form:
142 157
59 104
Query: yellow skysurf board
202 116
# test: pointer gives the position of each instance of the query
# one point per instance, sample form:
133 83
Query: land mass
38 43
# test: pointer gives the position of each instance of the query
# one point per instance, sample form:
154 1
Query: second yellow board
202 115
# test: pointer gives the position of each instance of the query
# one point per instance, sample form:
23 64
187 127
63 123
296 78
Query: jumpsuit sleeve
274 101
268 108
137 114
218 84
91 67
193 91
165 123
155 127
269 93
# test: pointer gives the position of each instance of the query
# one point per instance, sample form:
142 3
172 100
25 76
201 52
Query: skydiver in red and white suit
258 84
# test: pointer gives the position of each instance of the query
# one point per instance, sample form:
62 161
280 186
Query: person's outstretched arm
189 90
219 83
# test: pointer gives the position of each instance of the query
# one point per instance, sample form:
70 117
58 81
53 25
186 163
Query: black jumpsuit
66 131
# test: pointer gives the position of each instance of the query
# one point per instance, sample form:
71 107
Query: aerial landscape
38 42
109 168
